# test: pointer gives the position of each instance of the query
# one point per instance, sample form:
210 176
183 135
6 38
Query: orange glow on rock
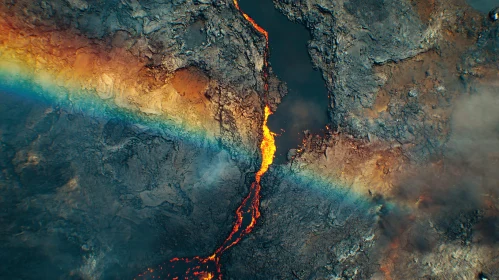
91 68
250 206
250 20
267 146
266 35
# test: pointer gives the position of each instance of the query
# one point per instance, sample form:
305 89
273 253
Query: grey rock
104 198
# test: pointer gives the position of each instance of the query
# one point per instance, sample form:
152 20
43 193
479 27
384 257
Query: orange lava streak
267 146
255 25
268 149
250 206
266 35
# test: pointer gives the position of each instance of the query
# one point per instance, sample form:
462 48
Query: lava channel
246 214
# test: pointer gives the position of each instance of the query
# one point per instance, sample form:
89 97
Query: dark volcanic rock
349 38
208 34
86 198
309 230
86 194
382 60
481 60
92 196
171 35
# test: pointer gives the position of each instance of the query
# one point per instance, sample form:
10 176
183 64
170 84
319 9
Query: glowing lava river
246 214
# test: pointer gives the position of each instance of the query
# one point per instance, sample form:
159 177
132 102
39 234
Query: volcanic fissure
246 214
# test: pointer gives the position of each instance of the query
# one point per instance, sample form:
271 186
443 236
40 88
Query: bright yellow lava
209 276
267 146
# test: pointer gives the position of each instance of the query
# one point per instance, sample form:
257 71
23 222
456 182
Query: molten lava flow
266 35
267 146
246 214
250 207
255 25
183 268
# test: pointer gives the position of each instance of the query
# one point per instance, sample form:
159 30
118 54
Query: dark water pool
483 6
305 106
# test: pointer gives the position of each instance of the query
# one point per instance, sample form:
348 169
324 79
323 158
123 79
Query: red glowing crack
209 268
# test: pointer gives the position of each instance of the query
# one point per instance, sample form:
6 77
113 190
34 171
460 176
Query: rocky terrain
87 198
413 122
392 66
401 186
91 193
108 44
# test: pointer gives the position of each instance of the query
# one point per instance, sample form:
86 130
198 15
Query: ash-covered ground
403 184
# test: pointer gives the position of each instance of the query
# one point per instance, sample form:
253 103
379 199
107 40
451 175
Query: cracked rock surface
97 196
308 230
86 198
390 66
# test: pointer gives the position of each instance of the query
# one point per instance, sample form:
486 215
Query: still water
483 6
305 106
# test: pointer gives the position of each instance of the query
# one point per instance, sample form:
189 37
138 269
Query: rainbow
80 75
85 101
